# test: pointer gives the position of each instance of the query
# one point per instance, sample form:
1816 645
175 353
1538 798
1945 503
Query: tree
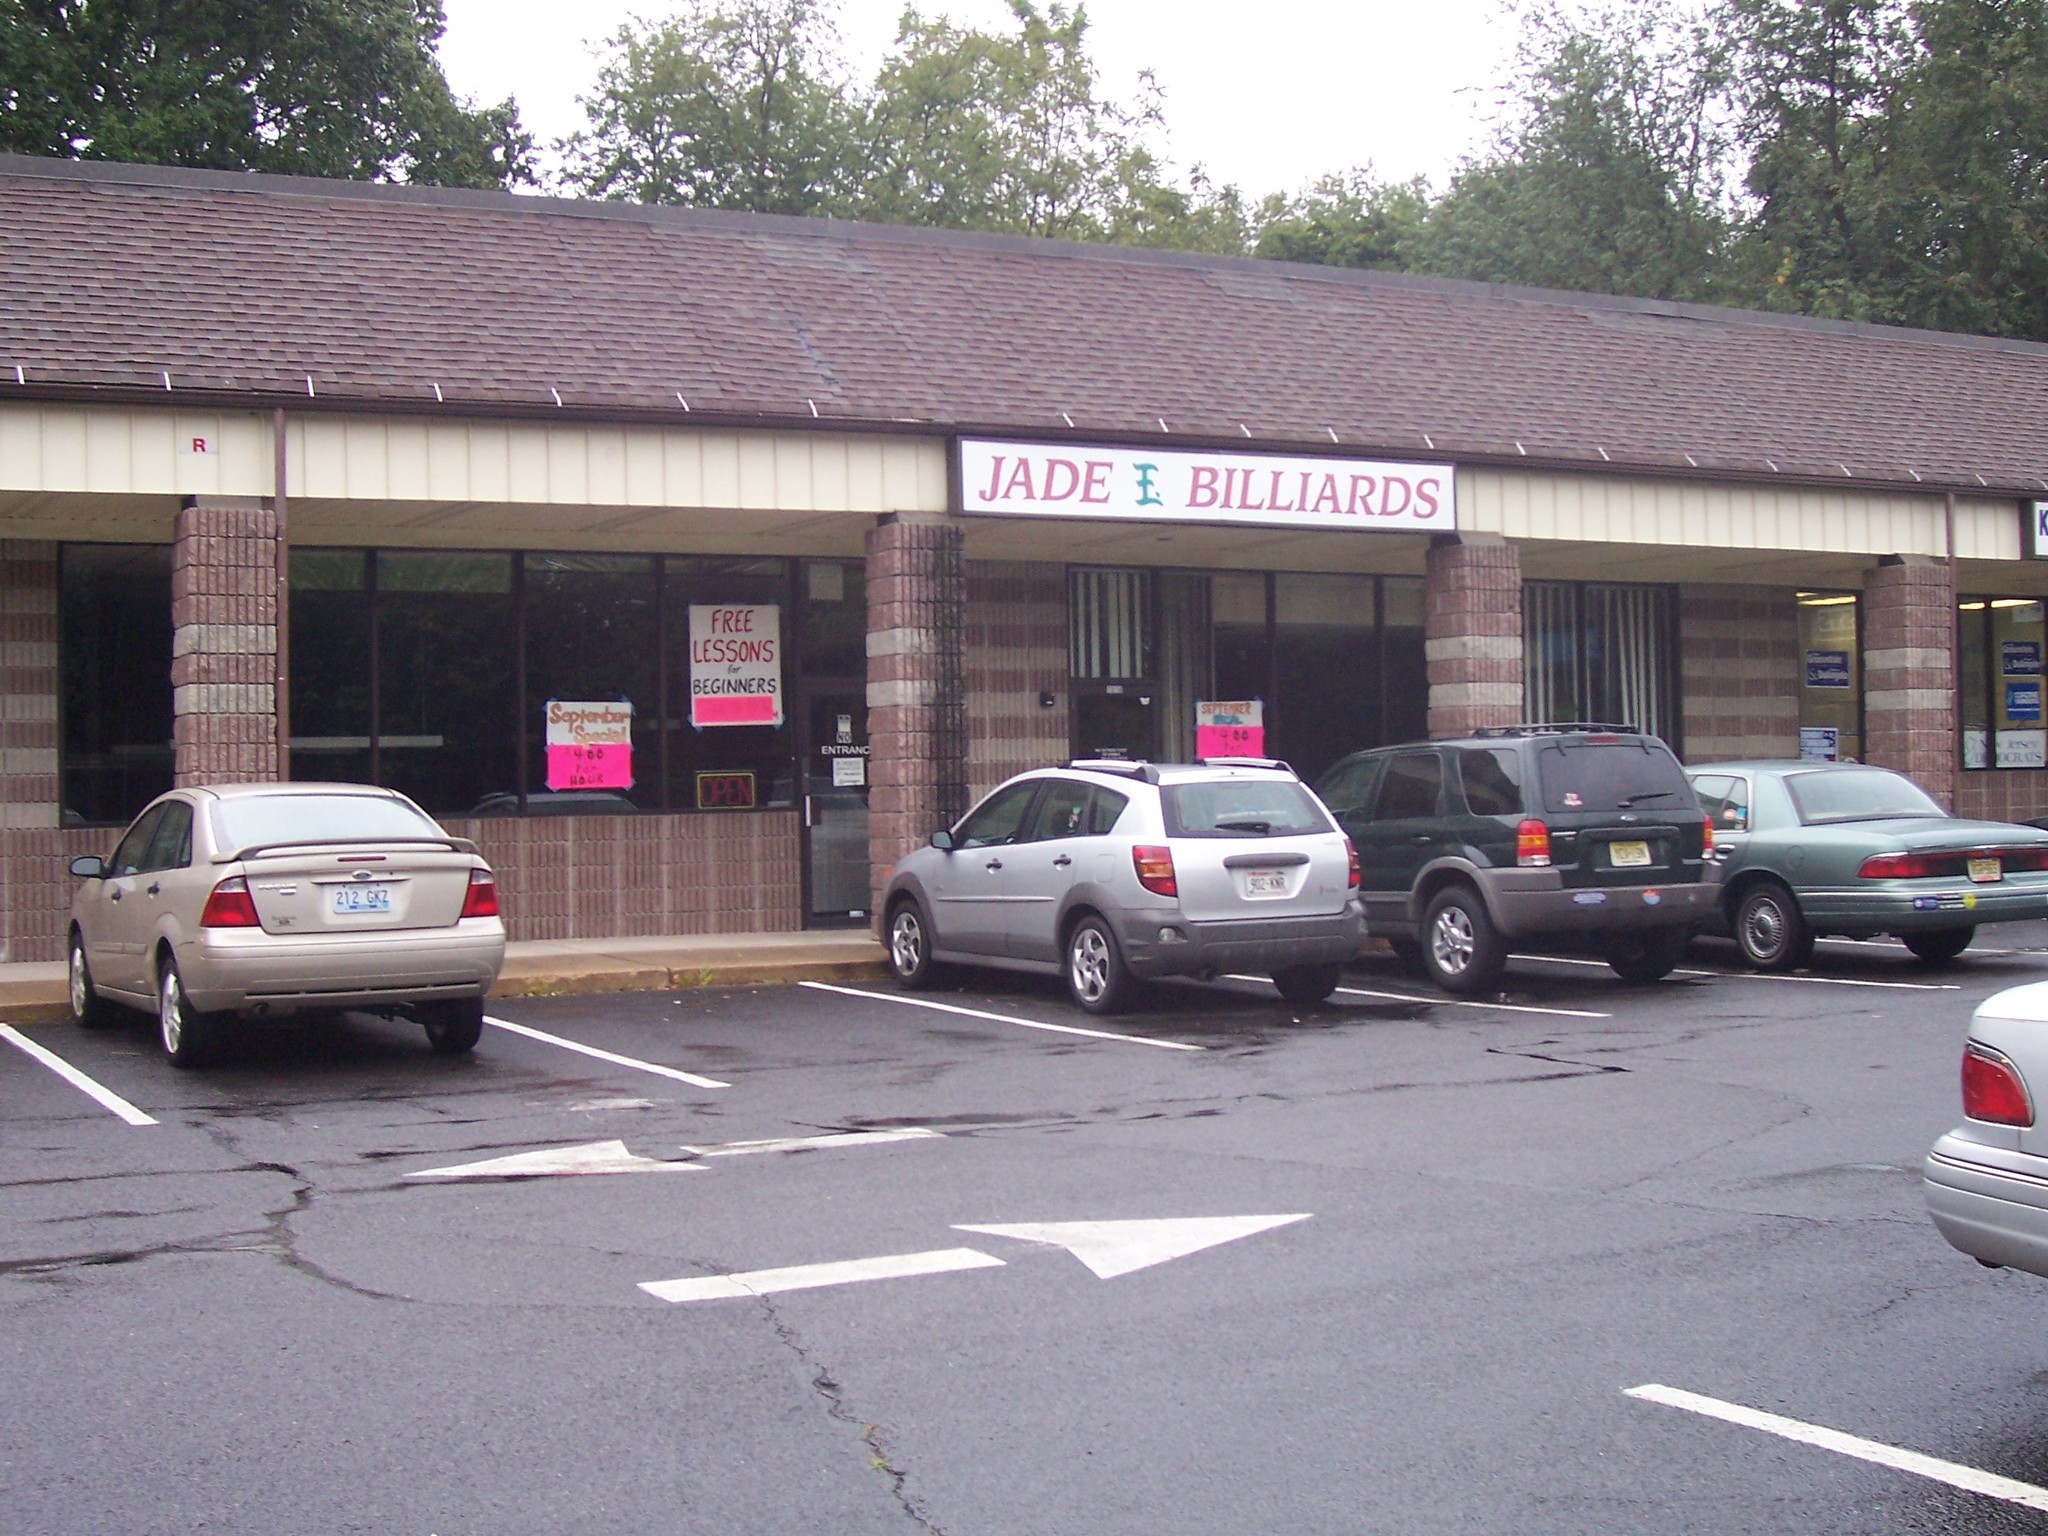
1348 220
342 88
725 106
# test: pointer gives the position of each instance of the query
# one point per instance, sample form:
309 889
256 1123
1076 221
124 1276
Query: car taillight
1707 836
1992 1089
1351 858
1910 866
1155 870
482 900
230 906
1532 844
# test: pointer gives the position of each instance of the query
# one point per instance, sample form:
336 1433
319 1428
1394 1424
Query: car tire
88 1008
1306 985
1646 956
1770 930
1097 978
188 1036
1938 946
1461 952
910 946
453 1028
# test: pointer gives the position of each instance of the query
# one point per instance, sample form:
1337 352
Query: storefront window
712 767
1326 669
590 638
1831 678
2000 642
331 664
446 699
114 628
1600 652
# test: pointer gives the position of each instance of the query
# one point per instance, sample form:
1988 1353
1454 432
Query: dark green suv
1530 834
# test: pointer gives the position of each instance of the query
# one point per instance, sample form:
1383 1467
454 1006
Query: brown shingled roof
112 276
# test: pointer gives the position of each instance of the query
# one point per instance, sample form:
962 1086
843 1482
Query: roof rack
1279 764
1557 728
1129 767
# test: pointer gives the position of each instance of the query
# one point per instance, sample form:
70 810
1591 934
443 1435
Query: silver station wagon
265 899
1112 872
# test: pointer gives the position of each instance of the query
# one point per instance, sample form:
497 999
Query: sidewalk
34 992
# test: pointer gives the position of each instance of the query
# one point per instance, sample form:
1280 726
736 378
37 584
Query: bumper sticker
1651 898
1589 898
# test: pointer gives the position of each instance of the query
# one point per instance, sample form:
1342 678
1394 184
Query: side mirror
942 839
90 867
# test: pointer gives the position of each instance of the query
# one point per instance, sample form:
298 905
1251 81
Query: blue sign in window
2019 658
2023 701
1827 669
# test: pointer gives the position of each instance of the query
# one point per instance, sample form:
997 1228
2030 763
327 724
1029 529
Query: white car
1987 1180
1112 872
264 899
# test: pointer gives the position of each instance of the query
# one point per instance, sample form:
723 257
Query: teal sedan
1807 849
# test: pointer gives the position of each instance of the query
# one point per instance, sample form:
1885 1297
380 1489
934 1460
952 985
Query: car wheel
1646 956
188 1036
1096 976
1770 930
1940 945
1460 950
88 1008
1306 985
455 1027
910 946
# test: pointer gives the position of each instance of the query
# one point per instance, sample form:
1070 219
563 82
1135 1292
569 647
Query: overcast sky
1267 94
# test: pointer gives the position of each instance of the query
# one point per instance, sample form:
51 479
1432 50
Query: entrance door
834 719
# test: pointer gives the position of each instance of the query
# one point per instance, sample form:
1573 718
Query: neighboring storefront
696 565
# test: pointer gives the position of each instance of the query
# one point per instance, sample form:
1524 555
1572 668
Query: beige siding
1705 514
48 449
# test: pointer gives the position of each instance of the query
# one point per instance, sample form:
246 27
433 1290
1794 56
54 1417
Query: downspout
283 675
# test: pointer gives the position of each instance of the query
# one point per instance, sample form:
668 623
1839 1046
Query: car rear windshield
1626 775
252 821
1857 794
1241 808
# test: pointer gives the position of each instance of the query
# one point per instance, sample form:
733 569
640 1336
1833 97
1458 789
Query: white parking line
999 1018
76 1078
825 1143
1969 1479
1826 981
1452 1002
610 1056
810 1277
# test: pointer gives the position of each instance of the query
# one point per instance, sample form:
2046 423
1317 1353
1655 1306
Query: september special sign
1258 489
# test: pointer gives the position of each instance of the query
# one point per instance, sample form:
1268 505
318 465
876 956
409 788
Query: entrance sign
590 745
1230 728
735 664
1155 485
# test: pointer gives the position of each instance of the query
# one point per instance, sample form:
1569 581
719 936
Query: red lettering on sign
1096 487
1202 486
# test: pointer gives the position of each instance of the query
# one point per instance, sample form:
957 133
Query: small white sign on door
849 772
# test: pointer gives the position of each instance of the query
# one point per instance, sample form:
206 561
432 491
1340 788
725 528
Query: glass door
834 749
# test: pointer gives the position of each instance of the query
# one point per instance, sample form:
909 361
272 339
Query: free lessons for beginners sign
735 664
1269 490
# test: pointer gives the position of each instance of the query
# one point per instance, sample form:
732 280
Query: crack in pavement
828 1388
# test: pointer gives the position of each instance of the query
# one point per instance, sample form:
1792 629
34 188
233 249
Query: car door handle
1422 837
1061 862
154 888
114 895
994 864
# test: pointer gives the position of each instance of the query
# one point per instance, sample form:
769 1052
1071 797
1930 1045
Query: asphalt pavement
826 1256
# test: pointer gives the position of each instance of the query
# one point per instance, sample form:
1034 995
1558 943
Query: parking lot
1580 1257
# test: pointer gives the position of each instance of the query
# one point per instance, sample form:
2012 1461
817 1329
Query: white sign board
1156 485
1819 743
2034 525
735 664
2023 749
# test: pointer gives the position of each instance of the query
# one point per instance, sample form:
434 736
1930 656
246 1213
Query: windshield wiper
1260 827
1647 794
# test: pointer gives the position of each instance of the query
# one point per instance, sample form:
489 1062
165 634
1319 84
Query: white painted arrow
591 1157
810 1277
1113 1248
827 1143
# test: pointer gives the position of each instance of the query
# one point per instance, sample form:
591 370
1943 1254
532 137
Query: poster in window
1976 753
1819 744
589 744
2023 749
2023 700
1827 669
1230 728
735 664
2019 658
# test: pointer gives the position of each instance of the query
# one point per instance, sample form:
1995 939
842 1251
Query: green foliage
342 88
1348 220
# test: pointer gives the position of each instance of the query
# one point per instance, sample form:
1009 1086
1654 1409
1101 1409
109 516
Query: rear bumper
239 968
1881 908
1264 944
1546 906
1999 1215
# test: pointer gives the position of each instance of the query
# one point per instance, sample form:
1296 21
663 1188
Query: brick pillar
224 640
28 684
917 712
1909 672
1473 633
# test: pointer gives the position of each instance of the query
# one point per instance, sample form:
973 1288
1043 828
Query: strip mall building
697 564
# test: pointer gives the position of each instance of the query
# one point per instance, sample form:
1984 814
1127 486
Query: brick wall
2002 794
1909 677
224 640
1739 672
1472 630
1016 649
917 725
28 684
